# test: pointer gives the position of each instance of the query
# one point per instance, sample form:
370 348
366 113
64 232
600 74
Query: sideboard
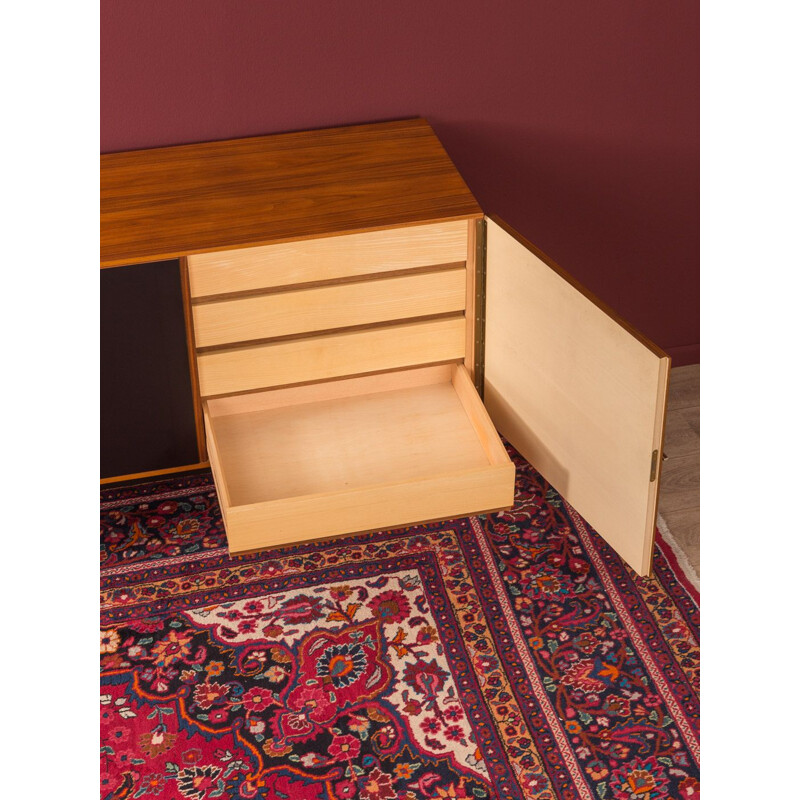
358 331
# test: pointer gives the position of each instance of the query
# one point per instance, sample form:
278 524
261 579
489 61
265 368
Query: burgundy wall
577 122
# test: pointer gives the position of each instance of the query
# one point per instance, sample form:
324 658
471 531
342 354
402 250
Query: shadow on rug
506 656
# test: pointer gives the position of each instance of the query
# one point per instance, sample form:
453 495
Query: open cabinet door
576 390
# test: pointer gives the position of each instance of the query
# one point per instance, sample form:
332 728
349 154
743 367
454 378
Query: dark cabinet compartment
146 407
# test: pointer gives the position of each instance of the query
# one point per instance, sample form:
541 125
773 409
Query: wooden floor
679 501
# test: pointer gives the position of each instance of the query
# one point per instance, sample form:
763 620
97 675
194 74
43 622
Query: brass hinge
480 305
653 465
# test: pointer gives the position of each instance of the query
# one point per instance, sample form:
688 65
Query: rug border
678 560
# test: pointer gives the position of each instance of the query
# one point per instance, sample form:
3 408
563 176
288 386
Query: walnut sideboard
359 331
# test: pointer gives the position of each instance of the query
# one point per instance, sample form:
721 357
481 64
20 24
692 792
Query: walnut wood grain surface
173 201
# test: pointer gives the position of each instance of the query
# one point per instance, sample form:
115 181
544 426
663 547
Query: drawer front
300 519
330 258
327 308
334 355
323 308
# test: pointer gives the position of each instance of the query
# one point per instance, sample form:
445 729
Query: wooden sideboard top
172 201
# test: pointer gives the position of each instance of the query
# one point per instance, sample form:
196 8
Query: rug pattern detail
506 656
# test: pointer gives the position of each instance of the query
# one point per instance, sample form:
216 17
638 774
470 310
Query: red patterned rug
506 656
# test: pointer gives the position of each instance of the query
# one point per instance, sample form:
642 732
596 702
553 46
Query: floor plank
683 432
684 387
680 481
679 500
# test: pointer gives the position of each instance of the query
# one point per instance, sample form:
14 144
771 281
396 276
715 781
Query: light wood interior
323 308
334 395
343 443
356 454
575 392
328 258
331 307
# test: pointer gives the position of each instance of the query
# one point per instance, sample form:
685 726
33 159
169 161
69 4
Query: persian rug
504 656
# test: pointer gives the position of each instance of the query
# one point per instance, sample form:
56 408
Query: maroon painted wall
577 122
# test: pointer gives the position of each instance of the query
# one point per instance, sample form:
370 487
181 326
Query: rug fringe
677 550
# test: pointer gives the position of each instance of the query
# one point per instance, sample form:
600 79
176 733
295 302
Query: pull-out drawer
364 453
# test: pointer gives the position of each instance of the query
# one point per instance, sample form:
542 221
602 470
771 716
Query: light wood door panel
576 390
